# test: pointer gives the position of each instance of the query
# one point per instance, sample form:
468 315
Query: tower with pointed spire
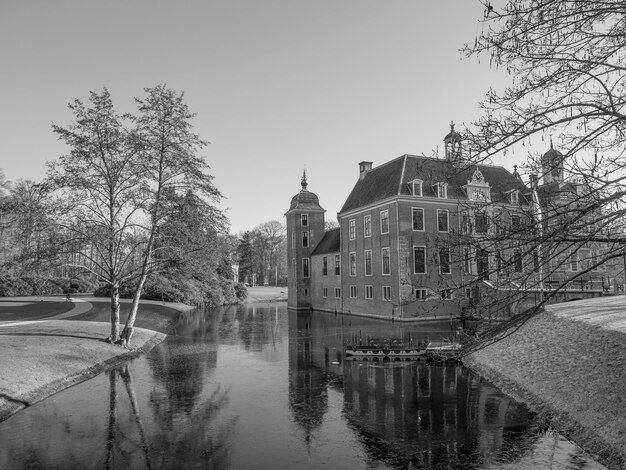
305 228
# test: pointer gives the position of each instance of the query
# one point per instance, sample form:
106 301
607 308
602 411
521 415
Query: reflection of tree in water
184 429
181 367
200 439
258 327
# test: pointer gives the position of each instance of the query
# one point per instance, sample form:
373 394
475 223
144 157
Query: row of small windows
481 258
470 223
385 263
443 222
369 292
367 225
385 293
441 189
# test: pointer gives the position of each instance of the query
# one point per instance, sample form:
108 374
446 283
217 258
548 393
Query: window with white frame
446 294
516 222
515 197
444 260
573 261
418 218
442 220
466 260
442 190
306 292
325 266
417 187
367 226
305 267
387 293
305 239
384 221
337 265
385 261
337 292
352 264
352 229
304 219
353 292
419 259
481 222
325 292
421 294
368 262
466 223
369 292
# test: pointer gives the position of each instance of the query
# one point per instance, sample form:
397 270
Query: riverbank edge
29 398
517 378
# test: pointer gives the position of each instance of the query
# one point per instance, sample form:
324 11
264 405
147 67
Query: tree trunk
125 373
127 333
115 315
111 434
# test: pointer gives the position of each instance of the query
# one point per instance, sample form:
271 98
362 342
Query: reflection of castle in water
402 412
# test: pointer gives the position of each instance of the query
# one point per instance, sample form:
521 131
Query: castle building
409 240
578 261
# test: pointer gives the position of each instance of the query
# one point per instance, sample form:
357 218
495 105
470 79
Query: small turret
552 165
453 146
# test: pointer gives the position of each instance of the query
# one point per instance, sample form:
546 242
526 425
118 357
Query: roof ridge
402 175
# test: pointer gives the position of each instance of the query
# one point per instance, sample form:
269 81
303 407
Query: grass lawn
266 294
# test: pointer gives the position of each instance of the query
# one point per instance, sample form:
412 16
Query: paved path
608 313
80 306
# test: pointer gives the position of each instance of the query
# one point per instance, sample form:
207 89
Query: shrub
105 291
159 287
42 286
241 291
80 285
14 287
228 291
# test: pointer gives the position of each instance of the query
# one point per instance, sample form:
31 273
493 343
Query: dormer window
442 190
416 187
515 197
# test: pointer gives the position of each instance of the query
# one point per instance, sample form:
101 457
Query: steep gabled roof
380 183
329 243
394 178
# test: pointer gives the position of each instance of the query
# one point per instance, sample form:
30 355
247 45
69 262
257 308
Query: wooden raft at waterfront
395 350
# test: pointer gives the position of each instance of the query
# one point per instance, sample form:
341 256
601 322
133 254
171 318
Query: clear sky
277 85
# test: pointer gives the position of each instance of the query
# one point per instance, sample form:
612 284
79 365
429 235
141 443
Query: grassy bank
570 371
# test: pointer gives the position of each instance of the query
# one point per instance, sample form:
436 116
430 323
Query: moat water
258 387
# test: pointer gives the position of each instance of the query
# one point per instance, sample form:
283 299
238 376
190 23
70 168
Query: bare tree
99 198
566 59
170 164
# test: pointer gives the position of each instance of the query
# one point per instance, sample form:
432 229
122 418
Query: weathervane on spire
303 182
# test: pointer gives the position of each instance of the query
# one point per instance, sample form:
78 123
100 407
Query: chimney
364 168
